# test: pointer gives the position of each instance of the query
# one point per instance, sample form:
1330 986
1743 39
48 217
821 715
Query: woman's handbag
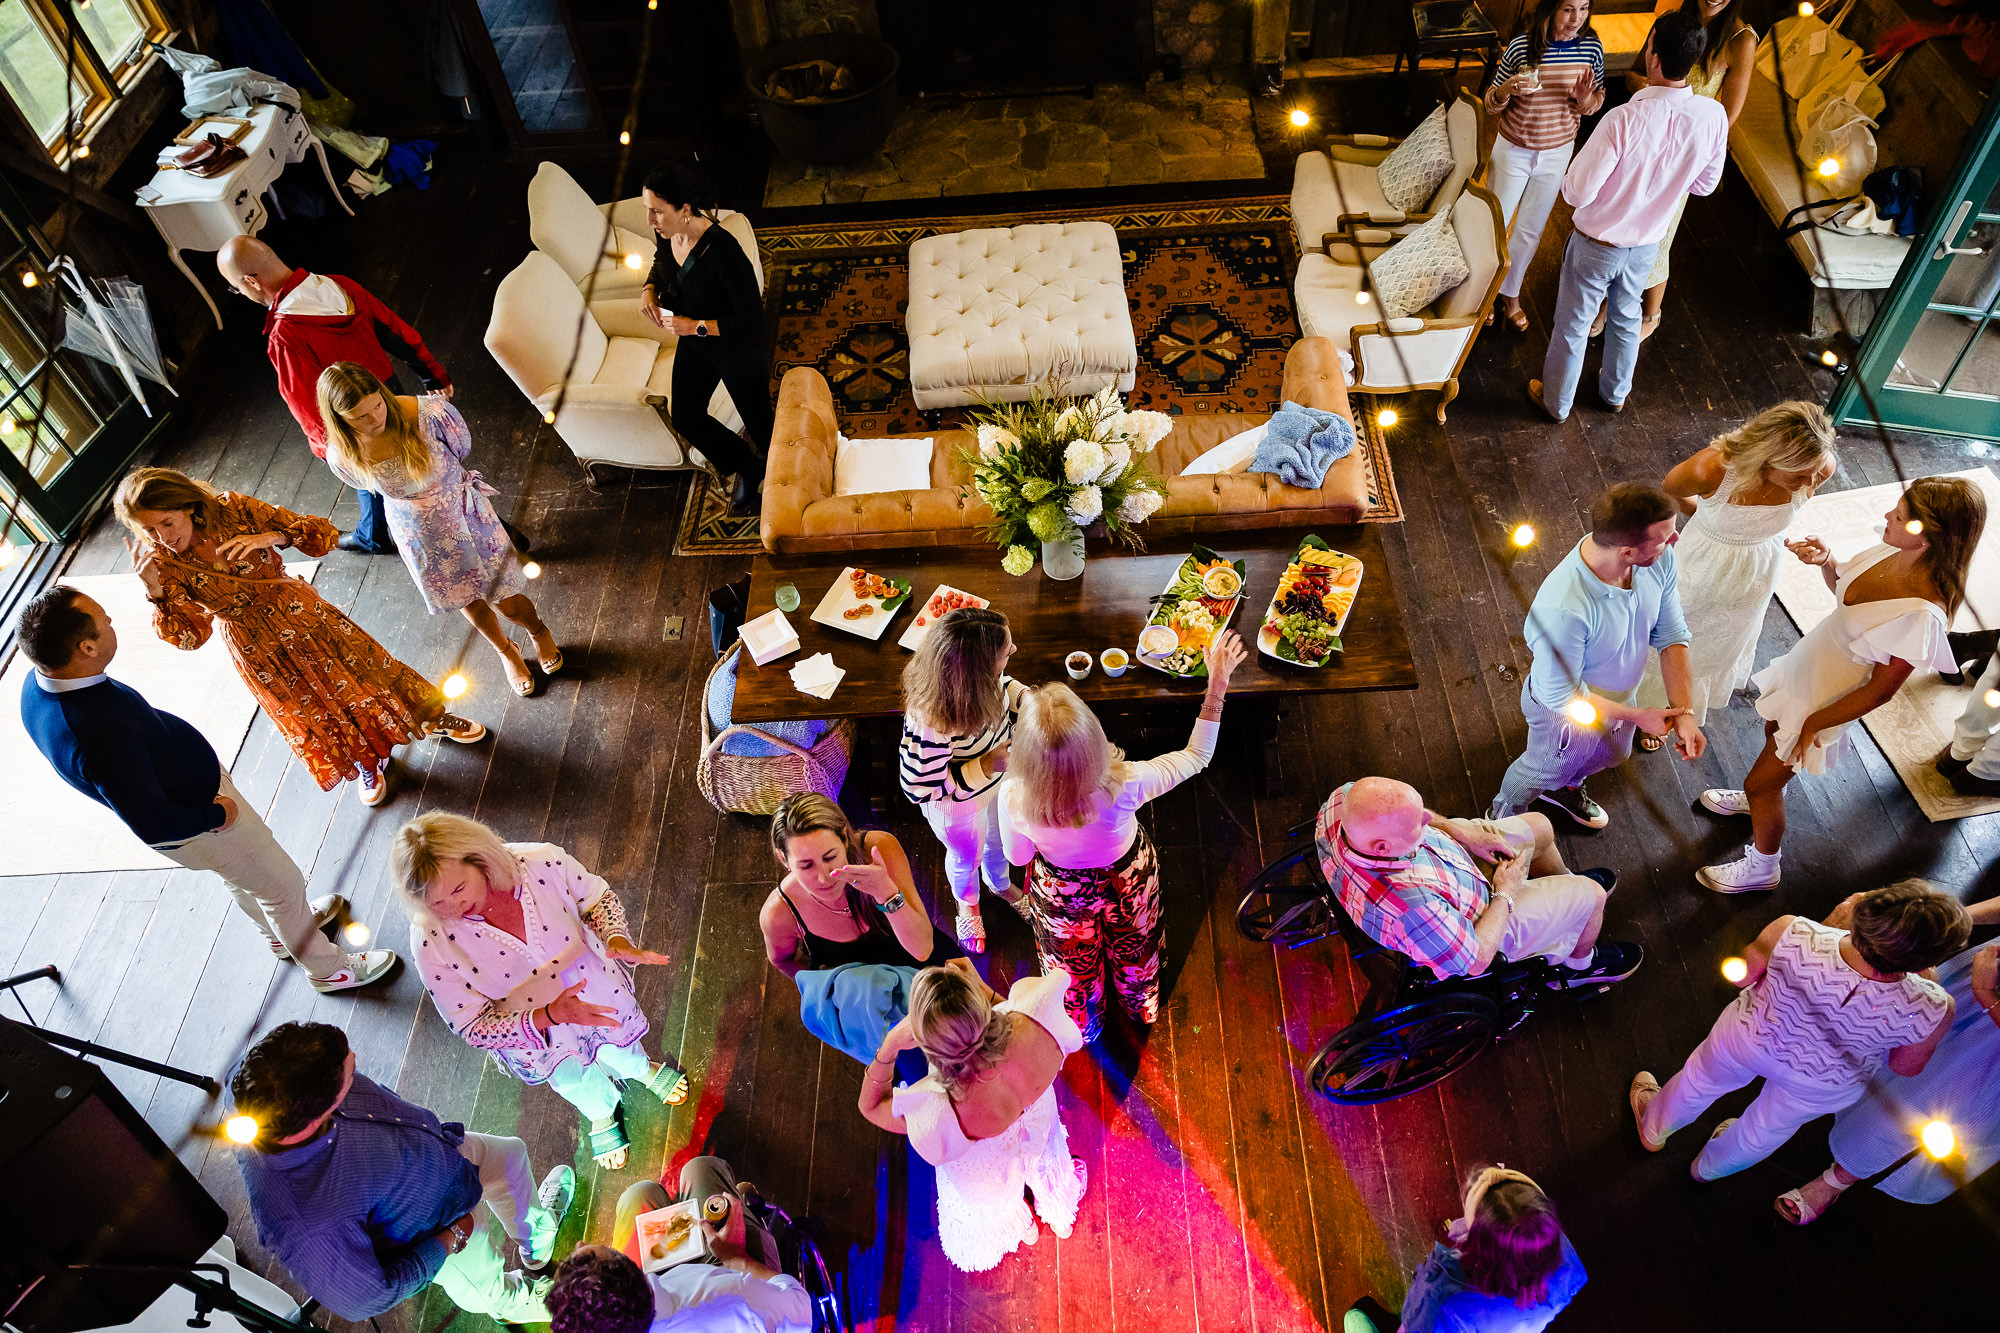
1847 82
1843 136
756 784
1804 48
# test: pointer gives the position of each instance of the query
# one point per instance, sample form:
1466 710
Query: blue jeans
1595 275
372 530
1559 753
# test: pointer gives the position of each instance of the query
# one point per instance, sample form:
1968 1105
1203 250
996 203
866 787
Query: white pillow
867 467
1233 455
1418 269
1414 168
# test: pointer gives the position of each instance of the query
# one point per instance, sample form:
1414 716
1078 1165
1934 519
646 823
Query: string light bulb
1524 534
1582 711
356 934
82 151
1386 418
1829 358
1992 699
29 277
1301 117
625 136
1806 10
634 261
1361 297
1829 166
531 570
9 553
1938 1140
454 685
6 425
1734 970
1915 527
241 1129
549 416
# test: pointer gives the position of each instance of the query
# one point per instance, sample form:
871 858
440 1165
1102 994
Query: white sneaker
326 911
1745 876
363 969
1726 801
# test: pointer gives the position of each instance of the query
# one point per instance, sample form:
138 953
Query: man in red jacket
318 319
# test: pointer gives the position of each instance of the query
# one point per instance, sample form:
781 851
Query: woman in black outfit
703 289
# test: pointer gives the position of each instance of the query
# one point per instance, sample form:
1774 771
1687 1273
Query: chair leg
1450 392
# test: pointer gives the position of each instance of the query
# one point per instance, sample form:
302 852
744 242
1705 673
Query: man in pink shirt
1643 157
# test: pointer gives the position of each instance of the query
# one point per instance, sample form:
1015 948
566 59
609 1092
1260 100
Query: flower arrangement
1050 467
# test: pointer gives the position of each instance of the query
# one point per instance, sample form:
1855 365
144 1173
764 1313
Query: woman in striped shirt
1548 79
958 719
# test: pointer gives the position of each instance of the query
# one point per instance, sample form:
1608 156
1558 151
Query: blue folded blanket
853 1006
1301 443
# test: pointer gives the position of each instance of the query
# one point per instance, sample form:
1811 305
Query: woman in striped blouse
1547 80
958 719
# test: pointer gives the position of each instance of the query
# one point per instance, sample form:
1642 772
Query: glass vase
1062 559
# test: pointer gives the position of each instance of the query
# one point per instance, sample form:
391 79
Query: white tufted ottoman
993 312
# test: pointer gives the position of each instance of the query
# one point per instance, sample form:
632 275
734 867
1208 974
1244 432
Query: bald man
1410 879
318 319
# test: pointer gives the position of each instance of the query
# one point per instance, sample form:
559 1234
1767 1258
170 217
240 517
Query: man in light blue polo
1614 596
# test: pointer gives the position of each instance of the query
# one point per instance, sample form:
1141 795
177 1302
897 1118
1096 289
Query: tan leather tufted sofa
994 311
801 512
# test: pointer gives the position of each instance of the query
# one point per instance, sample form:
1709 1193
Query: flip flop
667 1083
610 1140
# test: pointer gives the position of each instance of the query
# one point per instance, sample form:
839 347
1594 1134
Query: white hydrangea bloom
1120 454
1106 401
1083 460
1066 421
1147 428
1085 503
1139 506
995 440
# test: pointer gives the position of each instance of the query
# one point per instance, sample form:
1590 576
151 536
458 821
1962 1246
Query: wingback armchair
1336 191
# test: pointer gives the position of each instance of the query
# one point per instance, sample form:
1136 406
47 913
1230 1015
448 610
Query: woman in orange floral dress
340 700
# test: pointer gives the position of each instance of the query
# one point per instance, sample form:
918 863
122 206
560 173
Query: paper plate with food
945 600
1195 608
862 603
1310 607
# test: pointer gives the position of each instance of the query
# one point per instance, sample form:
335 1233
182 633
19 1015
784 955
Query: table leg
173 253
338 197
1267 774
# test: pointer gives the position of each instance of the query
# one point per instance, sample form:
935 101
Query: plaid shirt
1424 906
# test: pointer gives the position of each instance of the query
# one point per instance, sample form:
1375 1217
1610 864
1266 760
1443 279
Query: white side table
197 214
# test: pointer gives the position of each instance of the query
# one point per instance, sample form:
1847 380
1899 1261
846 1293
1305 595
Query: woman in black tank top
847 896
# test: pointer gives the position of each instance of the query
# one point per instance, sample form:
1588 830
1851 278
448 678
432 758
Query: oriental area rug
1210 291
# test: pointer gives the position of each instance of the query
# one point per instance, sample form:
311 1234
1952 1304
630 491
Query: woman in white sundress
1892 605
1742 491
985 1116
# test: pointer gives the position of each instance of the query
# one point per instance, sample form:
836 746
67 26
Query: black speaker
85 1180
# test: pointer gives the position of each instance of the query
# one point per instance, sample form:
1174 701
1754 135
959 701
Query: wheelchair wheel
1404 1050
1286 904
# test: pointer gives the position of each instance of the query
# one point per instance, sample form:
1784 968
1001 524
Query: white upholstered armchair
1424 350
1338 190
616 408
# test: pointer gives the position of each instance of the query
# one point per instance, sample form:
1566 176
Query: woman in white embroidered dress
1892 606
527 956
1742 490
985 1116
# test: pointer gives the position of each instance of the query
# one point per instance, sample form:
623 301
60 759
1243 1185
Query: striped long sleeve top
935 767
1546 118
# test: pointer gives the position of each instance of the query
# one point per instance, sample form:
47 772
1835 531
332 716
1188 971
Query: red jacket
301 346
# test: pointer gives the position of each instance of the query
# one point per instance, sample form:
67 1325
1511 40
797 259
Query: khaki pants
266 883
477 1278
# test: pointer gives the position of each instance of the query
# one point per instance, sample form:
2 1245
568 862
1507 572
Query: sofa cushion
1326 301
1415 168
1418 269
1234 454
868 467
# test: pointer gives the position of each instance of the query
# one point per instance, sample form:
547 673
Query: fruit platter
1195 607
1310 607
945 600
862 603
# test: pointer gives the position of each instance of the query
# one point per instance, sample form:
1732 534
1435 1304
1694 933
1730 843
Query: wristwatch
461 1236
701 328
894 904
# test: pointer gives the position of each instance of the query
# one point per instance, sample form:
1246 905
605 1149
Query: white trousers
1976 736
1730 1057
970 832
590 1088
1526 182
266 883
477 1278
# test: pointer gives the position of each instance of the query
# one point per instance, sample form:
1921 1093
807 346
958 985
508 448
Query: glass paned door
1931 360
528 49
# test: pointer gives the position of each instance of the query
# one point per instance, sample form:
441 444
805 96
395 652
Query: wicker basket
757 784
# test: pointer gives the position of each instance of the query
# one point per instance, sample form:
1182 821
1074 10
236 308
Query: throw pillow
865 467
1232 455
1411 173
1418 269
747 745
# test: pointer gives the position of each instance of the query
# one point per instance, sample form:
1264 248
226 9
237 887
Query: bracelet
1507 898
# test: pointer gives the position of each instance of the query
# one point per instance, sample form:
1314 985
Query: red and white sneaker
363 969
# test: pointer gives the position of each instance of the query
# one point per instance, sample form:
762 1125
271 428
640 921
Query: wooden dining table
1104 608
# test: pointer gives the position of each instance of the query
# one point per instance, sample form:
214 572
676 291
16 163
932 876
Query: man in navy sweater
159 775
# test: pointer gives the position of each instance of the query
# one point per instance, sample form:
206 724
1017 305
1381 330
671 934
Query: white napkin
818 676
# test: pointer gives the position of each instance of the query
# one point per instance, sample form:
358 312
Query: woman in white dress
527 956
985 1116
1742 491
1892 606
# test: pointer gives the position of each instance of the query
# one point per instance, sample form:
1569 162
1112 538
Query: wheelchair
800 1256
1411 1030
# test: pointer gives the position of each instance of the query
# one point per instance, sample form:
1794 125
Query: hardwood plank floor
1224 1194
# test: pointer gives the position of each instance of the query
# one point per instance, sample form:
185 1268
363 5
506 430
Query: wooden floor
1223 1194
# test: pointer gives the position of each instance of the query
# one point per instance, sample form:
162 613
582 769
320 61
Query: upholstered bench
996 311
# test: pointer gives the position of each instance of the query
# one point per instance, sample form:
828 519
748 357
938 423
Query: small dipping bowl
1078 665
1114 661
1157 641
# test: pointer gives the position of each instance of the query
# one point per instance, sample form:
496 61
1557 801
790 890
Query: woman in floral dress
409 451
339 699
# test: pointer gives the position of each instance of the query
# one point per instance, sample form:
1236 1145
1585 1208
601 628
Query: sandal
1644 1088
1802 1213
1019 902
1647 327
1713 1135
1519 319
607 1140
1597 325
1648 742
525 685
550 665
667 1083
971 930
